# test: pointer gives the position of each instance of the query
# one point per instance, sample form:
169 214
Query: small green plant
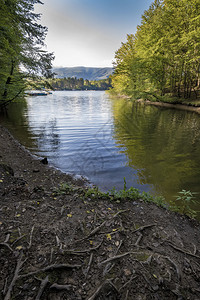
186 198
64 189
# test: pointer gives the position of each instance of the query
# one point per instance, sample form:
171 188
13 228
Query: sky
88 32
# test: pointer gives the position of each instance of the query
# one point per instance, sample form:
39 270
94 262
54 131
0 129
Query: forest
22 53
162 59
70 84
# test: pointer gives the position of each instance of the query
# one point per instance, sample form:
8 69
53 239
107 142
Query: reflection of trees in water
48 136
16 121
163 144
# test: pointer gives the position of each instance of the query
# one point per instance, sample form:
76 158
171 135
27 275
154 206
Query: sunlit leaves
164 54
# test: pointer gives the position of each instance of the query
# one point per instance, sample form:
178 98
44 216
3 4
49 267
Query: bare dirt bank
57 244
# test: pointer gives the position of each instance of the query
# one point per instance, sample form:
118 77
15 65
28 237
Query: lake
106 139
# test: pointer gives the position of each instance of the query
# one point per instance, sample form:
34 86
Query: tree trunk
8 81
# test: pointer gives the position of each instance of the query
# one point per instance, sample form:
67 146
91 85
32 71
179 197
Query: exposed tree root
43 284
15 277
181 250
51 268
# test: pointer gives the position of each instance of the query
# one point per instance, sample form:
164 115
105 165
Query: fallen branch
43 284
115 258
18 239
15 277
127 283
138 240
5 286
89 265
61 287
51 268
175 265
93 232
181 250
6 245
7 238
144 227
107 282
126 297
120 212
110 265
81 252
31 235
121 256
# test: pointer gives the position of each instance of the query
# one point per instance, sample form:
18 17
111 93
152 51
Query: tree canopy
21 47
163 57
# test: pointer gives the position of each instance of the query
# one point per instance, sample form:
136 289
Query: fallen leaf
108 236
18 215
127 272
69 215
19 247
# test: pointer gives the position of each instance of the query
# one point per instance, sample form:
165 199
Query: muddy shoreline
55 243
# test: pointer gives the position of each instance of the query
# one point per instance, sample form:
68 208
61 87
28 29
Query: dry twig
31 235
96 293
43 284
15 277
144 227
60 287
6 245
89 265
181 250
51 268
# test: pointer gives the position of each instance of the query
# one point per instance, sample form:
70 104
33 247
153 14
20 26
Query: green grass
184 198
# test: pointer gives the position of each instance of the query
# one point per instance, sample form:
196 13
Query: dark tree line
73 83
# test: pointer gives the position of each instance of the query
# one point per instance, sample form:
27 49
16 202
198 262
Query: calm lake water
105 139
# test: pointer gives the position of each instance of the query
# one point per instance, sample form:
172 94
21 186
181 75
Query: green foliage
163 56
112 195
186 198
21 53
73 83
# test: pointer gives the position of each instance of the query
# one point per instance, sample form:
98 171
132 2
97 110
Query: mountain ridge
90 73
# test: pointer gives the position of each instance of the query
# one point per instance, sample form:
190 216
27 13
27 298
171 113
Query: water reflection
48 136
16 121
163 144
105 139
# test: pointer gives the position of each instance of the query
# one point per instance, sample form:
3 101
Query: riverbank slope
56 243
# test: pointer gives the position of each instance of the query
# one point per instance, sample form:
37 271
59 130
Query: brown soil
56 245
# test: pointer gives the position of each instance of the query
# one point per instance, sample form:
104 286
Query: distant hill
83 72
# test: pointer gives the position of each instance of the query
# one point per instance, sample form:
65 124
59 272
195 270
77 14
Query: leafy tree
164 55
21 42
